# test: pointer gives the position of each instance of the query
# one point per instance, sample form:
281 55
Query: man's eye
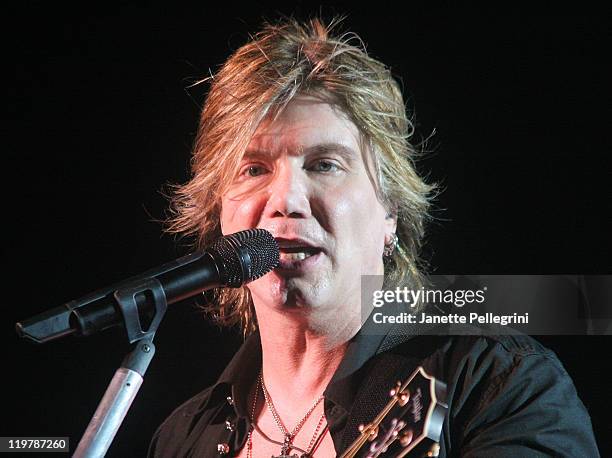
254 170
325 166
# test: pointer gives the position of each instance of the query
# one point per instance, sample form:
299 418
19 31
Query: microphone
231 261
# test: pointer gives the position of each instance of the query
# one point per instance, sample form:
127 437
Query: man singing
305 135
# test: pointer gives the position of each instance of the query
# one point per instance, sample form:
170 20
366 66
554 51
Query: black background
99 117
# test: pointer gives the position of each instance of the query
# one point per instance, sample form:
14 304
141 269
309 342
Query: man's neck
299 361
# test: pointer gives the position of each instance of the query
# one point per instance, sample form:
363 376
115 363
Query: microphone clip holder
125 297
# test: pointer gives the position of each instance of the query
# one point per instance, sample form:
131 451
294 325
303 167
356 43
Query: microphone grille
245 256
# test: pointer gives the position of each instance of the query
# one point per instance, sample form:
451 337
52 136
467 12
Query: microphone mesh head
245 256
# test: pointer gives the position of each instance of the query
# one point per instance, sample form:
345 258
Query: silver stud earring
391 245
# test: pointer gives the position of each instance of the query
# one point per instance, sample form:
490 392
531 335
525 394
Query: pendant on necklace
286 448
285 454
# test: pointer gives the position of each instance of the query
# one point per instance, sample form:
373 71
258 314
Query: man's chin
289 293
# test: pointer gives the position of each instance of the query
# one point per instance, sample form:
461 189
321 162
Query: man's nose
288 192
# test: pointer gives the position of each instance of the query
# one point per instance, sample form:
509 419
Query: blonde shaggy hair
285 59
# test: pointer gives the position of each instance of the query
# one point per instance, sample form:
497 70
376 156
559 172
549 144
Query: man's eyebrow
348 153
255 153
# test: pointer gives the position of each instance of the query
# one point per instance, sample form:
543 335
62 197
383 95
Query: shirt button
223 448
230 400
229 425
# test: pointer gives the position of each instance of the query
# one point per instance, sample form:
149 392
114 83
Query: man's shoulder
482 359
504 346
504 387
508 352
507 346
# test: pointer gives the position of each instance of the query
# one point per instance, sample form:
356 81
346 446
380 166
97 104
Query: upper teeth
298 256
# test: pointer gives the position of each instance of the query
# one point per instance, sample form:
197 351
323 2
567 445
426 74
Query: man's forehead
305 117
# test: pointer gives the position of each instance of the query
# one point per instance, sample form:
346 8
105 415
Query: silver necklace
287 444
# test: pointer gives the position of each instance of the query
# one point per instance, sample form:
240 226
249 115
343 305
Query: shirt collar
234 383
371 340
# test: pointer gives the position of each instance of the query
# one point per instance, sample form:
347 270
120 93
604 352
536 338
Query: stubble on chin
307 301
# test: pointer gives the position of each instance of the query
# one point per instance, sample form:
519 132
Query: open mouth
296 253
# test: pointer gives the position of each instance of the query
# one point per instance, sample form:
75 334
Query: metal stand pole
116 402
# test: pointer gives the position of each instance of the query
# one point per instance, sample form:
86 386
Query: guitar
411 422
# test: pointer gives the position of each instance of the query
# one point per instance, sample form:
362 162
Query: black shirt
507 396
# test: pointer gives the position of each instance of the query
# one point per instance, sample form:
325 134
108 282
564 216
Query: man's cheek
239 215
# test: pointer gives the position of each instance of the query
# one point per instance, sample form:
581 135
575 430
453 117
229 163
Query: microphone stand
129 377
231 261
